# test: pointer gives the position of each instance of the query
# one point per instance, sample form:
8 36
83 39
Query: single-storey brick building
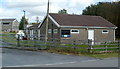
9 25
78 27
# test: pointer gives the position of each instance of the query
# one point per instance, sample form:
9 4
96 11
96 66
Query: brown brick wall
99 36
83 33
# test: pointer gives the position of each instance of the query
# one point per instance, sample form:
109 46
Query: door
91 35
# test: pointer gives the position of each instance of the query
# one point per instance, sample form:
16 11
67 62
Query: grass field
9 38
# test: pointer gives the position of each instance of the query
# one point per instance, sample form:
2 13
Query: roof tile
80 20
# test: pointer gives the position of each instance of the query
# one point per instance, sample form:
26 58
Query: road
22 58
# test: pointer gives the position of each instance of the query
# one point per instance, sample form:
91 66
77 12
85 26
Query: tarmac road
22 58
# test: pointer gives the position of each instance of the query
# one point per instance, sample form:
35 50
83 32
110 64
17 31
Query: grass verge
102 56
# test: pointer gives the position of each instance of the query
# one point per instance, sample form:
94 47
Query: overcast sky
34 8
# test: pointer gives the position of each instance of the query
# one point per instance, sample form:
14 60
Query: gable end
51 19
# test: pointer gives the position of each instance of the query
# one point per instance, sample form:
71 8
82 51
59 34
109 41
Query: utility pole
24 12
46 37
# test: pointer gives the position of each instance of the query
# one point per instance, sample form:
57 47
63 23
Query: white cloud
8 12
1 10
55 5
54 9
25 3
34 8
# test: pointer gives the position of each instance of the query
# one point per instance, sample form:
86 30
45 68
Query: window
65 33
14 27
105 31
76 31
49 30
55 30
5 23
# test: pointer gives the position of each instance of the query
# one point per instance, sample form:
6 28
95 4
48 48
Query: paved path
22 58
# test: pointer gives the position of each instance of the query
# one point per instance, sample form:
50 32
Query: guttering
88 27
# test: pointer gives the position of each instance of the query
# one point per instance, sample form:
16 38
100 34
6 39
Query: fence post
34 38
119 44
105 46
18 41
74 43
89 45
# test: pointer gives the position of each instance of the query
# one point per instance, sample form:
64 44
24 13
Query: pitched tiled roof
80 20
7 20
34 26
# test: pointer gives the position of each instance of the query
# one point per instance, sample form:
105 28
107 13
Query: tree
23 23
64 11
108 10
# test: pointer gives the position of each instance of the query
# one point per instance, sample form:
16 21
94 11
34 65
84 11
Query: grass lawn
9 38
108 47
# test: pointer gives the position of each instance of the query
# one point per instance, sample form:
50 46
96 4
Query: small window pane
5 23
74 31
49 30
55 30
105 31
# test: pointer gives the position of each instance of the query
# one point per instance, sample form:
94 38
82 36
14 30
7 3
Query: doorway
91 35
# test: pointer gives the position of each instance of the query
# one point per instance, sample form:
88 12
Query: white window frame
75 32
49 30
105 32
55 30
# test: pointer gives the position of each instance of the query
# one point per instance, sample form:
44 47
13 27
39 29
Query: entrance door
91 35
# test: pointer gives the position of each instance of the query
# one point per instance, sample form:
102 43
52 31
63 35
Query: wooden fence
66 45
